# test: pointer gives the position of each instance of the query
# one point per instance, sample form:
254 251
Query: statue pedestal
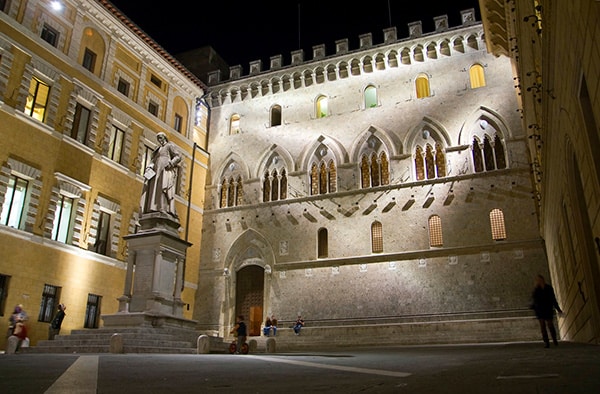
152 294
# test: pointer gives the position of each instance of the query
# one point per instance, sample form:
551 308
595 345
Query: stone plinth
152 294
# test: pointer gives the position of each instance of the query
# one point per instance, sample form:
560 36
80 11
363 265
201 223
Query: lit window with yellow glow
477 76
422 86
322 110
376 237
234 125
37 99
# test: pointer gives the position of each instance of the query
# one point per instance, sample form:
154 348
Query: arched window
365 175
234 124
332 177
488 155
314 180
266 187
440 161
476 76
497 224
276 115
385 169
499 153
376 237
419 164
422 86
231 192
430 164
274 186
374 171
322 247
435 231
321 107
370 96
239 192
477 156
323 178
283 186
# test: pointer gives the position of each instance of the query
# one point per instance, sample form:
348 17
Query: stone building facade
83 93
553 46
372 185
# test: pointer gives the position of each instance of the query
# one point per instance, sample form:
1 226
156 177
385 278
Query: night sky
253 30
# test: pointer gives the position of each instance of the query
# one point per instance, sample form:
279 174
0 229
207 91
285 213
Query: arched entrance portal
249 296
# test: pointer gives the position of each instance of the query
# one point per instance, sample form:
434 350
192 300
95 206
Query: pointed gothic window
274 186
332 177
365 176
375 178
283 186
440 161
488 154
419 164
477 156
499 153
314 180
385 169
429 162
231 195
323 179
266 187
239 192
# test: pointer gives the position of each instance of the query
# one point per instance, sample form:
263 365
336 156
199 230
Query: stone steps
515 329
452 331
135 340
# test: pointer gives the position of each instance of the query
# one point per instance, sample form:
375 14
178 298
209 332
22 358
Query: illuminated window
102 245
146 158
89 60
49 304
431 163
422 86
49 35
81 123
376 237
115 147
322 247
62 224
177 122
232 192
92 311
476 76
37 99
435 231
322 108
13 208
123 87
276 115
497 224
370 97
234 124
323 178
374 170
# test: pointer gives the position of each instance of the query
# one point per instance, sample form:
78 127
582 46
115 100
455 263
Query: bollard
203 344
116 343
271 345
252 345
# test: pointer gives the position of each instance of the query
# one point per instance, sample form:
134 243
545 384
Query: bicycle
233 347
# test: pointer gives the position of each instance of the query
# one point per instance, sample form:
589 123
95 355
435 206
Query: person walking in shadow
544 304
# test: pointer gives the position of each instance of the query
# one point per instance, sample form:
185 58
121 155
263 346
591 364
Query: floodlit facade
83 93
379 185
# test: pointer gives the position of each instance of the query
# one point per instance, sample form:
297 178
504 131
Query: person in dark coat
544 304
56 322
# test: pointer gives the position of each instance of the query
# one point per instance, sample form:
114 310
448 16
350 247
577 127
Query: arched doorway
249 296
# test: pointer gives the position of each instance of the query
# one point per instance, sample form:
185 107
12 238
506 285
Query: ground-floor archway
249 296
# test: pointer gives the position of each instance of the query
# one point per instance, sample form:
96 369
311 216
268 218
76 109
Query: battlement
390 35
